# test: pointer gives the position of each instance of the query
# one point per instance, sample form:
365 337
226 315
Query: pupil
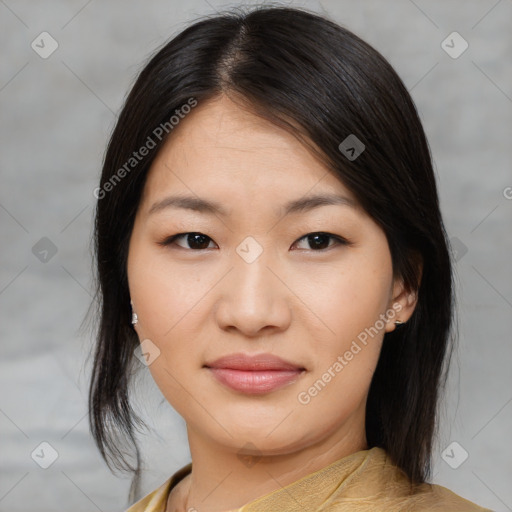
196 240
319 245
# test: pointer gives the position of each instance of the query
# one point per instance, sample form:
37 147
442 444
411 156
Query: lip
258 362
261 373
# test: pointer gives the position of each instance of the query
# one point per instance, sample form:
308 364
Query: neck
224 478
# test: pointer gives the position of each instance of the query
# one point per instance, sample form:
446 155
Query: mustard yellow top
365 481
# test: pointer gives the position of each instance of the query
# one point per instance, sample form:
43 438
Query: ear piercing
134 315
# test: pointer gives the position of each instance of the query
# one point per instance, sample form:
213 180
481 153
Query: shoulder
431 498
381 485
434 497
440 498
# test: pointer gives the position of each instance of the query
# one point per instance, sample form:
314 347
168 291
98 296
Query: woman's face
248 280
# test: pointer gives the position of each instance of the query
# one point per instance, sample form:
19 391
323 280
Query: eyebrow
209 207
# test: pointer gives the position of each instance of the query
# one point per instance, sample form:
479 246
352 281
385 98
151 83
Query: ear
403 301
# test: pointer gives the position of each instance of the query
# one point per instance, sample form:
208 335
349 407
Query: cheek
343 361
349 300
165 295
167 301
348 297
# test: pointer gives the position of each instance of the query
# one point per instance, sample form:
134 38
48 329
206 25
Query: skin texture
304 304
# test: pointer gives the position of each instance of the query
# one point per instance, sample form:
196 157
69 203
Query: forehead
221 150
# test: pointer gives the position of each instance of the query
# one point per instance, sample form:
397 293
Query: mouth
257 374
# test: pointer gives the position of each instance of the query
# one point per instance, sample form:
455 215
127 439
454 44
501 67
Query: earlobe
403 307
404 300
394 316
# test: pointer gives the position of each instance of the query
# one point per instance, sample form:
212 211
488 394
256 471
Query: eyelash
339 240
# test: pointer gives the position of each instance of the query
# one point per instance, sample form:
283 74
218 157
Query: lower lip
255 382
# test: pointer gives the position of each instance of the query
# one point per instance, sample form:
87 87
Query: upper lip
253 363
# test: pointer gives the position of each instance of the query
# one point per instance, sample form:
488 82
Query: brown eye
320 241
316 242
195 241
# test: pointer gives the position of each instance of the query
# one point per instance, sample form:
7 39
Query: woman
269 243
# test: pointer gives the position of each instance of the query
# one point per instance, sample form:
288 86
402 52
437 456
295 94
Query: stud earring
399 322
134 315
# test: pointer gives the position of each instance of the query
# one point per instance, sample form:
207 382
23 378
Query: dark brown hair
323 83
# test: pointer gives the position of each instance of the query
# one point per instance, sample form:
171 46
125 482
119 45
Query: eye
320 241
196 241
317 242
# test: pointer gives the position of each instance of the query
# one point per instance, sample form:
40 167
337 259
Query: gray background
56 116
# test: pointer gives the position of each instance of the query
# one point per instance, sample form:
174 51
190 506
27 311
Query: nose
253 299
